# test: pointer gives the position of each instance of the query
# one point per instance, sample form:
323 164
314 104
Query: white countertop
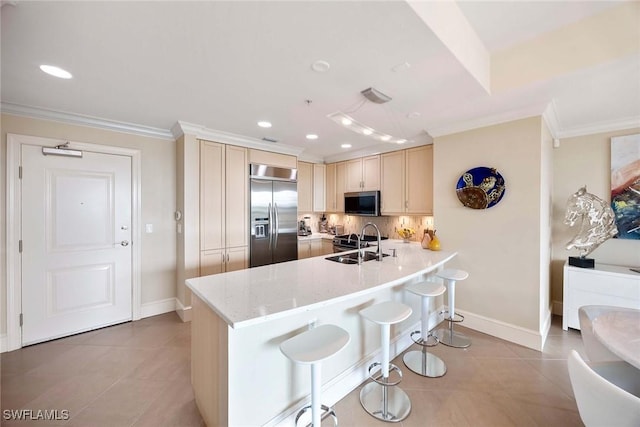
255 295
316 236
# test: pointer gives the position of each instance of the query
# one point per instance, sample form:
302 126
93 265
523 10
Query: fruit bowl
406 234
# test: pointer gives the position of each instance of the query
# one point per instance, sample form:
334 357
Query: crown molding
379 149
201 132
601 127
82 120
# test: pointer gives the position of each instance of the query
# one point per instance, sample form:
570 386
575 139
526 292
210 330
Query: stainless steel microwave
363 203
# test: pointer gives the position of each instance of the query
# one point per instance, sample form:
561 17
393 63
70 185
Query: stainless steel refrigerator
274 211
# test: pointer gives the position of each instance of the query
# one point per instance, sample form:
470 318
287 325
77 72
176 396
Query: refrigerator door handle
276 225
270 230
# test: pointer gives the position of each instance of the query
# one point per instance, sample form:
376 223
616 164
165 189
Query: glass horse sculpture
598 221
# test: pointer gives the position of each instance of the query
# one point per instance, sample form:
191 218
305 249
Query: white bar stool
380 398
310 348
422 362
448 336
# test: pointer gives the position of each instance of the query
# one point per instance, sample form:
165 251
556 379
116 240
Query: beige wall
584 160
499 246
158 198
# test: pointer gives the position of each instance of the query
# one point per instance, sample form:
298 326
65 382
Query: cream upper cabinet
407 181
392 182
261 157
319 177
419 180
341 176
330 187
305 187
363 174
224 204
212 195
335 186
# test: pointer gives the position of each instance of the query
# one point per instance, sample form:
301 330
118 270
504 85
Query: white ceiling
227 65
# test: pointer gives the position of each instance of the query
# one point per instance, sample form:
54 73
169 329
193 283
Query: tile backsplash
387 224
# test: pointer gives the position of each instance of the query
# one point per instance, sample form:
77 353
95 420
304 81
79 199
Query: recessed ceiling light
385 137
346 121
401 141
264 124
346 146
320 66
56 71
367 131
312 136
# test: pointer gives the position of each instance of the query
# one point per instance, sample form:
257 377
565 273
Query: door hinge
21 319
20 246
19 172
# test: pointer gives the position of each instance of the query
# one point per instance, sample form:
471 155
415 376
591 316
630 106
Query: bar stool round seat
422 362
310 348
448 336
380 397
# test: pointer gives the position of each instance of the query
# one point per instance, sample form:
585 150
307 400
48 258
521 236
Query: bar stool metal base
326 412
425 363
390 404
451 338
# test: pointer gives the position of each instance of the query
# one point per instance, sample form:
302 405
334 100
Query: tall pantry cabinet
224 243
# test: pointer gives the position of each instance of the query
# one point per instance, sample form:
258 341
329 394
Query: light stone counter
239 375
256 295
316 236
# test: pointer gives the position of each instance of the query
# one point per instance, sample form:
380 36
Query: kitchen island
240 318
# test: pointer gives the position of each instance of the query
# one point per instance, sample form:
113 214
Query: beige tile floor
137 374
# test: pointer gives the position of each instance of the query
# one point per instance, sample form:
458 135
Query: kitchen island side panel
210 364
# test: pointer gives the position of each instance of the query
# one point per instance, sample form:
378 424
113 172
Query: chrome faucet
379 250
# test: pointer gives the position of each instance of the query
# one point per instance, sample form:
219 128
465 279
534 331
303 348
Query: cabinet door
392 183
212 262
330 187
304 249
419 179
237 258
353 175
341 175
212 195
319 174
327 247
371 173
237 198
305 187
316 247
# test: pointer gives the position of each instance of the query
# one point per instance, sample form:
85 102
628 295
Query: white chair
448 336
594 349
604 392
310 348
380 398
422 362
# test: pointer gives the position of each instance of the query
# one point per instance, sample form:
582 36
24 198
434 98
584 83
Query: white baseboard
154 308
506 331
183 312
3 343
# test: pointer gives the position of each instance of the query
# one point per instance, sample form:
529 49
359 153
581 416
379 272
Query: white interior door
76 243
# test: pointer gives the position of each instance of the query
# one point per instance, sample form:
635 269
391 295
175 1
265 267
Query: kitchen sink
352 258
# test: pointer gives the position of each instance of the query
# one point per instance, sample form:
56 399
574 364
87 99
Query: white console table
603 285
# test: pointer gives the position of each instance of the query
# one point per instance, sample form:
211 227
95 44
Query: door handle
124 243
270 219
276 225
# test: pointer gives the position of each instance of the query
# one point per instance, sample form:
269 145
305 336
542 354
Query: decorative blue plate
480 188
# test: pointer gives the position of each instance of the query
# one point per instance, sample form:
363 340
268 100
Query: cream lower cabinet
334 188
224 204
222 260
315 247
406 181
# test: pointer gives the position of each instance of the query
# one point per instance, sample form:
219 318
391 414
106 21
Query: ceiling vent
376 96
269 139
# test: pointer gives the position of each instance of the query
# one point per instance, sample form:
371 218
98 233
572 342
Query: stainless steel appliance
363 203
274 209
